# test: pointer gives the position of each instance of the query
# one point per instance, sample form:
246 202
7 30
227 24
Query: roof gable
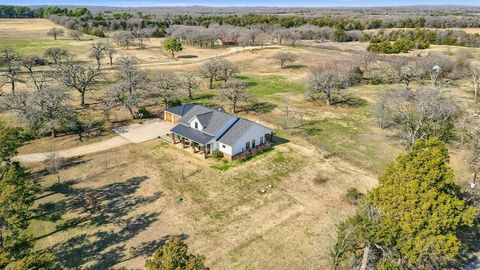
237 130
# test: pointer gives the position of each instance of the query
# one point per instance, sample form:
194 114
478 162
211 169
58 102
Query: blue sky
278 3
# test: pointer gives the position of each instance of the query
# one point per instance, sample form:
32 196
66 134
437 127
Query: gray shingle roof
191 134
212 121
204 118
181 110
218 120
236 131
194 111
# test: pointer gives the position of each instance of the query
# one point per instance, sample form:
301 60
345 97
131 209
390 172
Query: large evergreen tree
174 256
17 195
413 217
420 205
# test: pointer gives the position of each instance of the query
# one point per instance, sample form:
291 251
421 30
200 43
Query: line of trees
17 196
365 22
48 108
397 41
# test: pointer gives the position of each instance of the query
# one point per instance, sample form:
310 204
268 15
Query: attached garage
174 114
172 118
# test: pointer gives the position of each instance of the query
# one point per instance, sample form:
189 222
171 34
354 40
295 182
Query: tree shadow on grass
203 96
295 66
66 163
308 127
110 206
106 247
260 107
350 101
148 248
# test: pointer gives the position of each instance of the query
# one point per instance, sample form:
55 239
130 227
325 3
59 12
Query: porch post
173 138
183 142
205 151
193 147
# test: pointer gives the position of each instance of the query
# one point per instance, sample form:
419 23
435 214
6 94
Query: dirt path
233 50
77 151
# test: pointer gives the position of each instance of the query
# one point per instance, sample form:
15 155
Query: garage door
176 118
168 117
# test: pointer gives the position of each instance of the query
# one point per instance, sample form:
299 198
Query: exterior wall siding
254 133
195 121
225 149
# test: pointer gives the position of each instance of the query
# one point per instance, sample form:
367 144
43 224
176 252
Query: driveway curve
134 133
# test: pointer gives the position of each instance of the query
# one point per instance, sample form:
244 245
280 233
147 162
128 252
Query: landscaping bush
174 102
353 195
217 154
376 81
144 113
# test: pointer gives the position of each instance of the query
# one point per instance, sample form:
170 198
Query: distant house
206 130
226 41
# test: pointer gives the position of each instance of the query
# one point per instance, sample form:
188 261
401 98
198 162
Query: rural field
280 209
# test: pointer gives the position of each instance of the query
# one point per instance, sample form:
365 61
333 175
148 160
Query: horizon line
246 6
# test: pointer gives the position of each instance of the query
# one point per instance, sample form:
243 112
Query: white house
209 129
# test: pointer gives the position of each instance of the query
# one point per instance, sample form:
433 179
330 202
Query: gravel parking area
148 130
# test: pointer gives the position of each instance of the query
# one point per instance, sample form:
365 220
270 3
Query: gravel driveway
135 133
149 130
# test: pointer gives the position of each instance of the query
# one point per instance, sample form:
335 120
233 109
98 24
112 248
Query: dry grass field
114 208
147 193
29 36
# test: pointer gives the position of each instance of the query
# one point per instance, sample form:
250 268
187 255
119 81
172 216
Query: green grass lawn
38 47
347 129
267 86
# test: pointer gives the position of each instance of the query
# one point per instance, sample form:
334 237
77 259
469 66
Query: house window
196 125
247 145
261 139
253 143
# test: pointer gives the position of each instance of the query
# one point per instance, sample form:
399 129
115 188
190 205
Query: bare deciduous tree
51 107
190 83
141 36
11 62
76 34
56 54
110 51
97 51
328 82
234 92
124 38
475 81
210 70
127 91
79 77
165 87
285 57
119 96
29 63
54 163
226 70
365 59
56 32
418 114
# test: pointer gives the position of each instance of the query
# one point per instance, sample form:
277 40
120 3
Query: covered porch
187 137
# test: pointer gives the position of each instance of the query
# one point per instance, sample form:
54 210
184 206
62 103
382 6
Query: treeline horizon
366 18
